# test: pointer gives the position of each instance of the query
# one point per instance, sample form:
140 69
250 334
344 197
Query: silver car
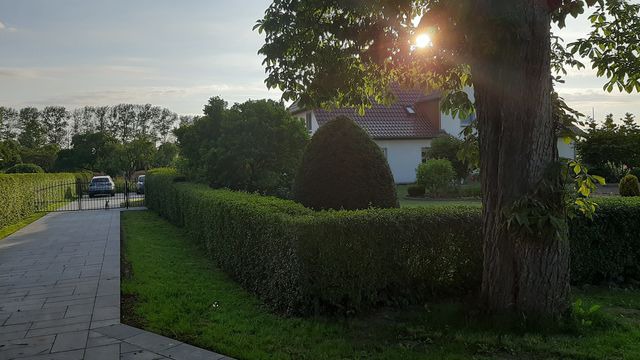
102 185
140 185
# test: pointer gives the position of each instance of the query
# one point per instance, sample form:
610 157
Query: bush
437 176
635 172
24 169
629 186
18 193
343 168
447 147
301 262
415 190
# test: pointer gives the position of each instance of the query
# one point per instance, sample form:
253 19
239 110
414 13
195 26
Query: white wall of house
566 151
314 122
404 156
451 125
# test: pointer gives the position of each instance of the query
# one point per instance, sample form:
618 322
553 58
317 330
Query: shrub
436 176
415 190
629 186
24 169
343 168
635 172
447 147
18 193
299 261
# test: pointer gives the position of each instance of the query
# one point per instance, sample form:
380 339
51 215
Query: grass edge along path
13 228
179 293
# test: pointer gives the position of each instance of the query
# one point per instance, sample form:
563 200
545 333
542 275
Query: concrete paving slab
60 294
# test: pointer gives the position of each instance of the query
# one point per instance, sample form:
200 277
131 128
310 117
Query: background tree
347 53
138 154
253 146
9 153
195 140
33 133
259 149
55 120
166 155
8 123
44 156
610 149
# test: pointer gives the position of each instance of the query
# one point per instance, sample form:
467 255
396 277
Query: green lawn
174 290
404 202
8 230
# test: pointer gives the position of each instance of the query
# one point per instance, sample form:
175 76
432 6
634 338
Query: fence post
79 193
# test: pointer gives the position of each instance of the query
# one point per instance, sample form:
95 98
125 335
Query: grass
8 230
172 288
404 202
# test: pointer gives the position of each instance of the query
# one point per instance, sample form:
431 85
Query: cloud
4 27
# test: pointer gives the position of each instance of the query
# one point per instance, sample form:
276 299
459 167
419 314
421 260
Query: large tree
33 132
8 123
55 120
349 52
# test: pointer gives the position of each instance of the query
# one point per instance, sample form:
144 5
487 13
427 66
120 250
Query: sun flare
423 40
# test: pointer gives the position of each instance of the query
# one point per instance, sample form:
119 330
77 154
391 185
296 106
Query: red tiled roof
389 122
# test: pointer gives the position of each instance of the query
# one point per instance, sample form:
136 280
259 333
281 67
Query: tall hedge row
300 261
18 193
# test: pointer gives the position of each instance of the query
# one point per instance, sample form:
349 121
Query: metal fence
75 196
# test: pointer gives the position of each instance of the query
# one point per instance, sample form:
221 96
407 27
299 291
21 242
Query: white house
403 130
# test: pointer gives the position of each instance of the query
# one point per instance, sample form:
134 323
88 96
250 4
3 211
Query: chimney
429 109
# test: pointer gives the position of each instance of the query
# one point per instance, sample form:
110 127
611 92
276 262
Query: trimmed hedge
343 168
24 169
18 193
302 262
607 248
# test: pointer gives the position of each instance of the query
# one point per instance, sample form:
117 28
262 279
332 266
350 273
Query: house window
308 121
425 154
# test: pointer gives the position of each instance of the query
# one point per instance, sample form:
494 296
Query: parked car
140 188
102 185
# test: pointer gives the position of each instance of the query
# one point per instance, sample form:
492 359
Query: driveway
60 294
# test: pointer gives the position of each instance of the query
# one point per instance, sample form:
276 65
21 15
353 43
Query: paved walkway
60 294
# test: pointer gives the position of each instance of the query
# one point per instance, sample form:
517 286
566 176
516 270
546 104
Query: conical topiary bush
342 168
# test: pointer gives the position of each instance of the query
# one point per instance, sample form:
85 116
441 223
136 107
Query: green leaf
600 179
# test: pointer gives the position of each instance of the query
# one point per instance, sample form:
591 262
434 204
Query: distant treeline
56 125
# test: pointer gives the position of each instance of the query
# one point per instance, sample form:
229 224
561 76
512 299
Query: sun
423 41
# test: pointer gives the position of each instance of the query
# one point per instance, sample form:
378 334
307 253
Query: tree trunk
525 273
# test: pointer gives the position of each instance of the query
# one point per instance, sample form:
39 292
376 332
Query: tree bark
525 273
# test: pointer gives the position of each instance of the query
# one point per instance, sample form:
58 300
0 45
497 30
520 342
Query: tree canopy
347 53
253 146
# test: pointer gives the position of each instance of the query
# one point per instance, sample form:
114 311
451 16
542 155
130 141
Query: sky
171 53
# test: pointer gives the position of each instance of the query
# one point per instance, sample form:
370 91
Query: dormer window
410 110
